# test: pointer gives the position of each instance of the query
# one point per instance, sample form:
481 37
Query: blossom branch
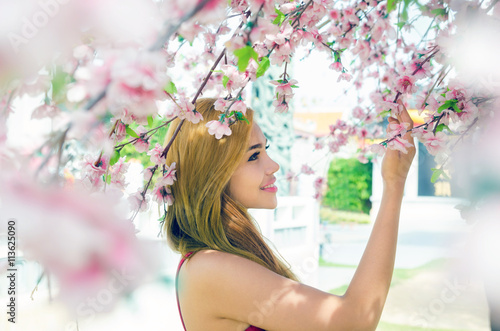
176 132
299 15
205 81
143 193
492 4
174 27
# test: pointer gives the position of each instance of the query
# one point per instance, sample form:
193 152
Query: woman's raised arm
372 279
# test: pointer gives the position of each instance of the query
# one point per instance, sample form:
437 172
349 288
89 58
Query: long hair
203 215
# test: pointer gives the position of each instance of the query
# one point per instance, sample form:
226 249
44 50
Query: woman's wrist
394 186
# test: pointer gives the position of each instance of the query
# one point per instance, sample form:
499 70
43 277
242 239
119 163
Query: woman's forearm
368 290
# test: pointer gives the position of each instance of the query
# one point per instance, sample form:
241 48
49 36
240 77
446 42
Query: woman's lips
270 188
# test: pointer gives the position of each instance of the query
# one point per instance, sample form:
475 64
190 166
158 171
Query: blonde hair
203 215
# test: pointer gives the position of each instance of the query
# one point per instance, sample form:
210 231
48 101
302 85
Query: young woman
229 278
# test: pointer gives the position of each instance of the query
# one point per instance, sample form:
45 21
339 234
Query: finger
391 120
404 116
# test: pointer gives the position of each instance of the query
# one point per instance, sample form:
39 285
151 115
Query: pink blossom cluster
161 192
284 94
319 187
219 128
86 242
96 172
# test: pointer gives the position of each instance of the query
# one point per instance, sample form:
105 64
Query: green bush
349 185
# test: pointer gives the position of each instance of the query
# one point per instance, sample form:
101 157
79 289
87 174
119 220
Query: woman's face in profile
252 184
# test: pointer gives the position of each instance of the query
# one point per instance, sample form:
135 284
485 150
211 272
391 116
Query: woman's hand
396 164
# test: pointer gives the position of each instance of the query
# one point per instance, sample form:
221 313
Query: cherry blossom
120 130
319 186
138 201
284 88
45 111
141 145
399 144
117 173
187 111
168 177
82 245
434 142
406 84
162 194
419 70
236 80
377 149
136 81
155 154
219 129
337 66
93 169
307 170
396 129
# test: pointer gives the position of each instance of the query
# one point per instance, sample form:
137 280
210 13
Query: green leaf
150 121
458 110
337 56
115 157
225 80
241 117
171 88
436 173
400 25
384 113
59 81
131 132
280 18
244 54
438 11
446 105
391 4
263 66
443 126
294 86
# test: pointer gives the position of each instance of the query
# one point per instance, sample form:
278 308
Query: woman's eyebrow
256 146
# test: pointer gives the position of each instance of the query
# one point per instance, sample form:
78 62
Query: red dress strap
250 328
177 284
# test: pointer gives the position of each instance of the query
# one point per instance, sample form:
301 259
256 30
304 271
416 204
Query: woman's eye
254 156
267 146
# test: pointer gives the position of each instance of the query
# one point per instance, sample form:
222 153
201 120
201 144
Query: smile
270 188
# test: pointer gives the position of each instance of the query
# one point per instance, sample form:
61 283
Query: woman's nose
272 166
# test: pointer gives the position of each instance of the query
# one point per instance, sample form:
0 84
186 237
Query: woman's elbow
361 316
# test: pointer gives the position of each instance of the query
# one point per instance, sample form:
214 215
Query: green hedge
349 185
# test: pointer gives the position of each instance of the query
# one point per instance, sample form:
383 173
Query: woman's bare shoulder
242 290
212 265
